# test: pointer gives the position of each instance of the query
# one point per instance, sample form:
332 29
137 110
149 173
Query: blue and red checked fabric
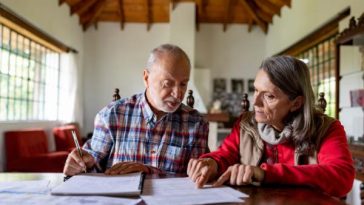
128 130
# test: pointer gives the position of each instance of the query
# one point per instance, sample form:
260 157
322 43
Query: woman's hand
202 170
240 174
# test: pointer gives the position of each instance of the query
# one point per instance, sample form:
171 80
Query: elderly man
150 132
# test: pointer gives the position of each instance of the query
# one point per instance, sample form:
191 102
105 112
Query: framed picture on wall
237 85
251 85
219 85
357 98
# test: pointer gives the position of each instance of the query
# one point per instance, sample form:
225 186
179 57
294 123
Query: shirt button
270 161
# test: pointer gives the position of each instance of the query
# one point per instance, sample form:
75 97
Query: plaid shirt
128 130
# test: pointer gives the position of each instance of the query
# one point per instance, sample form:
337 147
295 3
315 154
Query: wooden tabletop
272 195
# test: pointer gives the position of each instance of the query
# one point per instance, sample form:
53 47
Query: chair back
25 143
64 139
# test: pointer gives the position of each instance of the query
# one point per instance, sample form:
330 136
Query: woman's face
271 105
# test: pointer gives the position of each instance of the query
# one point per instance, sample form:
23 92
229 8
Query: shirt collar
147 110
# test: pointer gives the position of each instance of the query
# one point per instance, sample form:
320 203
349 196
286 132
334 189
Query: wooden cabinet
353 36
357 151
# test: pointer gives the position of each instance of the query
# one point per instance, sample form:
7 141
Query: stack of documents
30 192
181 191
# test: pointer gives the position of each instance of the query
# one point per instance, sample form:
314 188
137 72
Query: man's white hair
174 50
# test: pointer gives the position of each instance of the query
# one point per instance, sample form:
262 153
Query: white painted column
182 33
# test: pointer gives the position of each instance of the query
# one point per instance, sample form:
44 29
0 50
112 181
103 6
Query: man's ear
297 103
145 77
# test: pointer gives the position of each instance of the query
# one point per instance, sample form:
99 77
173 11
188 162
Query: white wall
302 18
235 53
55 21
116 58
119 59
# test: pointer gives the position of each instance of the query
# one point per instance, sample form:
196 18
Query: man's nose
177 92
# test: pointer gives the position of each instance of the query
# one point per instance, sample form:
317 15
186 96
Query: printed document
180 191
101 184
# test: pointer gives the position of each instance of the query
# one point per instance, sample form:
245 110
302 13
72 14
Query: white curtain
70 89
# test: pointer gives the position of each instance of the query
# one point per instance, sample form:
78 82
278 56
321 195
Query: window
29 78
321 61
318 51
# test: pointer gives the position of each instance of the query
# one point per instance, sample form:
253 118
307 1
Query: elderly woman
285 140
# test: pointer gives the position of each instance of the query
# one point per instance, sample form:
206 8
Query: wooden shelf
354 34
217 117
359 176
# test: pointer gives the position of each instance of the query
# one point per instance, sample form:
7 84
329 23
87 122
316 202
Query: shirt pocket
175 159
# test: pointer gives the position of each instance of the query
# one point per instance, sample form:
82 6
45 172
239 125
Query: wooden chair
321 102
190 98
245 104
63 137
116 95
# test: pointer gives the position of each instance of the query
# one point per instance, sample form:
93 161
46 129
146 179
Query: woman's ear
297 103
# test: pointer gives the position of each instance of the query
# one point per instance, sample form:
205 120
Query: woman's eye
269 97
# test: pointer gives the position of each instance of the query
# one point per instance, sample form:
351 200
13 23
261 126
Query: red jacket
334 173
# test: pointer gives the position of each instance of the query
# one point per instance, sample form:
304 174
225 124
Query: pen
77 145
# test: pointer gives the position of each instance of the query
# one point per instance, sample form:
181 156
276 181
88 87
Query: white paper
32 199
180 191
100 184
29 186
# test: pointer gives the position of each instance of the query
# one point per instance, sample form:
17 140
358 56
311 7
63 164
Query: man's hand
75 164
240 174
127 167
201 170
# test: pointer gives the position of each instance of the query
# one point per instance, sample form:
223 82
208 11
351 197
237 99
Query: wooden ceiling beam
250 22
288 3
60 2
250 8
265 16
200 11
268 7
228 13
95 12
197 20
82 6
281 3
201 6
122 14
148 7
174 4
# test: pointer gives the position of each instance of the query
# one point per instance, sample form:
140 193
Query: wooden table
272 195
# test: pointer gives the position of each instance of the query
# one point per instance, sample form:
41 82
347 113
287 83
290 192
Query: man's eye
167 84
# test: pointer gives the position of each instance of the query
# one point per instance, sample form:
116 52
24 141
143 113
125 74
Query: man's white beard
161 105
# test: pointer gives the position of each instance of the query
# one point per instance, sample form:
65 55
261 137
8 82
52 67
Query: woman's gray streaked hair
174 50
293 78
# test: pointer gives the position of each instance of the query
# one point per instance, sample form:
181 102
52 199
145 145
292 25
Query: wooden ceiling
252 12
